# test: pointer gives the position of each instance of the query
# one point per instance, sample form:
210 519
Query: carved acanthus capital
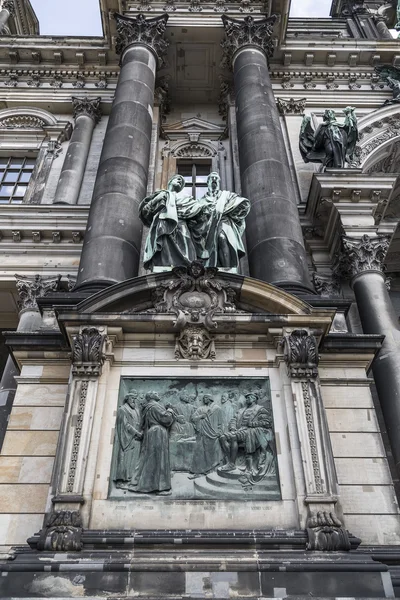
301 354
61 532
32 287
87 352
326 533
240 34
87 106
361 254
194 343
146 32
9 5
293 106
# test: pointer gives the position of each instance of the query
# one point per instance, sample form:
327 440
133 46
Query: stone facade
199 431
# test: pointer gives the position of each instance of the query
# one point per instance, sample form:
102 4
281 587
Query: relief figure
183 428
129 434
207 421
154 471
228 410
250 429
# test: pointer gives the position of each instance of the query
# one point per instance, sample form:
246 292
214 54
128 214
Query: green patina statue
183 229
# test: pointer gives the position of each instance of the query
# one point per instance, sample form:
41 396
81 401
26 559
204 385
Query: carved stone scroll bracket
87 106
32 287
141 31
247 33
301 354
87 352
359 255
326 533
61 532
194 343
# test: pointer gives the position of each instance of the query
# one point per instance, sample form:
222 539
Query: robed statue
129 435
333 143
183 229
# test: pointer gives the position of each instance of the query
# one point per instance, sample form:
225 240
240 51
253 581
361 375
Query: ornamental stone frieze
301 354
87 106
87 352
247 33
30 288
361 255
147 32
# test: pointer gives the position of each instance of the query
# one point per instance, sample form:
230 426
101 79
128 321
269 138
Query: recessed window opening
15 174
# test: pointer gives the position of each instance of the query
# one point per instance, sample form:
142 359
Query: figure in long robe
154 472
129 435
223 216
228 411
207 421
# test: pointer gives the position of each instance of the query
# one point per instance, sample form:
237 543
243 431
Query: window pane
203 169
201 179
20 190
185 169
6 190
11 176
29 163
25 177
3 162
16 200
16 162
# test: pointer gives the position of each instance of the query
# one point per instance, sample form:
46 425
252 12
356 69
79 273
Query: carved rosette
30 288
251 33
61 532
87 352
363 254
9 5
141 31
301 354
326 533
293 106
86 106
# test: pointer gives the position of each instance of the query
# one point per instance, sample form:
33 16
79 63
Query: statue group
230 434
183 228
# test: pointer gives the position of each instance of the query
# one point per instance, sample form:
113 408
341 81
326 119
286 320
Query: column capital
141 31
87 106
8 5
31 287
240 34
359 255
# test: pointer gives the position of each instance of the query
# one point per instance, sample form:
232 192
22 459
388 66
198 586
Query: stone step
218 486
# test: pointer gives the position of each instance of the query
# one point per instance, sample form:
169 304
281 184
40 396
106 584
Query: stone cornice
247 33
87 106
146 32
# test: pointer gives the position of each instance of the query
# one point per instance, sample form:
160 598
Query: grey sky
82 17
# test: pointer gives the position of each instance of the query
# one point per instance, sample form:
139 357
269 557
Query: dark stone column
111 246
86 114
29 289
274 238
362 262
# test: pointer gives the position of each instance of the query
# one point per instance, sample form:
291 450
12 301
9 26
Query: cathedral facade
200 301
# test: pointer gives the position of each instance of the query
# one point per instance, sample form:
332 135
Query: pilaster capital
87 106
301 354
251 33
87 352
31 287
8 5
141 31
293 106
361 254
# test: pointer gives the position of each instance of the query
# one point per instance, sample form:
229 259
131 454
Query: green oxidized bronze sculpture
183 229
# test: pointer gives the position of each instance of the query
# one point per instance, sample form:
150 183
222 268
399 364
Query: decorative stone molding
87 106
326 533
80 82
220 5
61 532
361 254
293 106
77 435
87 352
195 6
12 80
169 6
194 343
327 286
193 150
22 122
147 32
251 33
312 437
9 5
30 288
301 354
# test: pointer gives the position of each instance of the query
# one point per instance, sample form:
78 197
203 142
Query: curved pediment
183 289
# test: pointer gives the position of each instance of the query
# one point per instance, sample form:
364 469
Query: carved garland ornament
148 32
248 32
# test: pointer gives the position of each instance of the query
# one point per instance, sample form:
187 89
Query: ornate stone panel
194 439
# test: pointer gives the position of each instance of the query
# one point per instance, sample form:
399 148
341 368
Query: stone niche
194 438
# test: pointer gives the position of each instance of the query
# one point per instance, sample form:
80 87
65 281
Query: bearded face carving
194 343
